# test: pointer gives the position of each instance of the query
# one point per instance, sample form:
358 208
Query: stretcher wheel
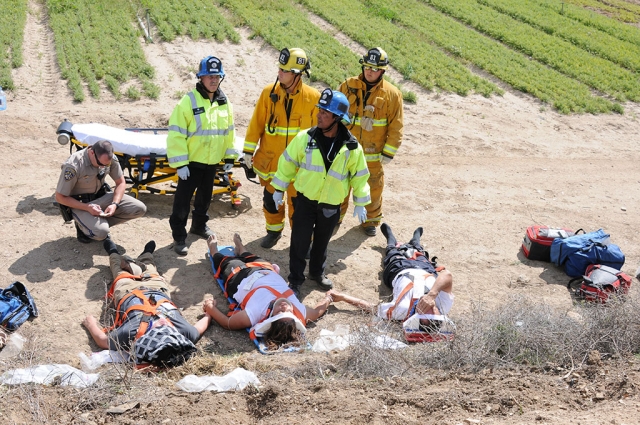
134 192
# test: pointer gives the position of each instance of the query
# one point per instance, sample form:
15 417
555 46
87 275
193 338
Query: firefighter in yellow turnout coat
326 162
201 135
283 109
376 110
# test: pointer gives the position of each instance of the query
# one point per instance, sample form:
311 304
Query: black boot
110 246
386 231
415 240
149 247
81 236
271 239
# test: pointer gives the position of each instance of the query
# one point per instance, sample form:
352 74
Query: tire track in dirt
39 77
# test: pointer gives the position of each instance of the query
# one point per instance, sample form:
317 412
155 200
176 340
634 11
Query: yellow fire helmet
375 57
294 60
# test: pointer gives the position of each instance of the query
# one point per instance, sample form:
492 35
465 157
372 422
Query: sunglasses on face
371 68
95 155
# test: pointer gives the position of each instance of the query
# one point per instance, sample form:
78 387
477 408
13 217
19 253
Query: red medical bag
536 244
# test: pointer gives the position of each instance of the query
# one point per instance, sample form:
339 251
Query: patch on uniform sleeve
69 173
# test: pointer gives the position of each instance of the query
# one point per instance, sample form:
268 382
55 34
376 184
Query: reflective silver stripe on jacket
199 131
280 183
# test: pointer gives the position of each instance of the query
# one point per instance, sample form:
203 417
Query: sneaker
323 281
271 239
203 232
81 236
370 231
180 247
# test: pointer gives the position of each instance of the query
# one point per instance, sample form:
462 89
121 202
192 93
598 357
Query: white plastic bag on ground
13 346
61 374
99 358
388 343
235 380
332 340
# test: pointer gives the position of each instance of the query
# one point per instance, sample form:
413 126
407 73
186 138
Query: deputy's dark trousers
201 178
310 219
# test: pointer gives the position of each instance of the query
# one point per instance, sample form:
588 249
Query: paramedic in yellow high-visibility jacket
326 163
376 108
201 135
283 109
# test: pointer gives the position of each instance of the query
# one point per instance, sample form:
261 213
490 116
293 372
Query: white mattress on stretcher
128 142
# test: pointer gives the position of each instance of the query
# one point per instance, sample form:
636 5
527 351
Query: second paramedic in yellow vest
201 135
283 109
376 108
326 163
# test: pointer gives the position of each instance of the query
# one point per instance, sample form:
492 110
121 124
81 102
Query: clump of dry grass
519 332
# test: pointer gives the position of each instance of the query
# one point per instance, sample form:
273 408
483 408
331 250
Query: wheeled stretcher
142 154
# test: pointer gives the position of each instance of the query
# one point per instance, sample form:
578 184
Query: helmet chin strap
372 82
205 87
295 81
335 122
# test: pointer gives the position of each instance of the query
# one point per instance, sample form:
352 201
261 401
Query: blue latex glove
360 212
385 160
278 198
183 172
227 166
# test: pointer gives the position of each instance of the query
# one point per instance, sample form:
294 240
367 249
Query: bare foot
238 243
212 242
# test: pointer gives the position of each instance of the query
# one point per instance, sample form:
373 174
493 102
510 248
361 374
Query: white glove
227 166
385 160
278 198
360 212
248 159
183 172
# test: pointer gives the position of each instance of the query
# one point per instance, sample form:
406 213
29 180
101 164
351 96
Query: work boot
386 231
296 290
81 236
370 231
271 239
415 240
323 281
149 247
203 232
110 246
180 247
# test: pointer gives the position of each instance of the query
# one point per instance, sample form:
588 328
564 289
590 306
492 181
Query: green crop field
13 16
573 55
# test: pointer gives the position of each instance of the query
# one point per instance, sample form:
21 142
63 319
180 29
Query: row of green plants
13 15
411 54
593 19
195 18
593 41
618 9
95 40
548 85
563 56
281 24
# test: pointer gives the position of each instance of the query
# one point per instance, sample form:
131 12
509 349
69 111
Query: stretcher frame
144 171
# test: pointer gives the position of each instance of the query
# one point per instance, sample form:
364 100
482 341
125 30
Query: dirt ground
473 171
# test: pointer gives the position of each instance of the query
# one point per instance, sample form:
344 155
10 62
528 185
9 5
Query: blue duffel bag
576 253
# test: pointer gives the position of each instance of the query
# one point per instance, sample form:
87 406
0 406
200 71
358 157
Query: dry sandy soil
474 171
